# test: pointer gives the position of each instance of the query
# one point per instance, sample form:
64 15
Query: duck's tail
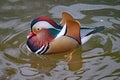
86 32
93 30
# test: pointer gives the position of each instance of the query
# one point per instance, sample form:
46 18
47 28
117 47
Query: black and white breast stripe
43 49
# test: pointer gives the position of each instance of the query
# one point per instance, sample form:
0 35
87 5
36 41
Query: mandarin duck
47 36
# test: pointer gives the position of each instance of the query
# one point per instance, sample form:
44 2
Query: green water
98 59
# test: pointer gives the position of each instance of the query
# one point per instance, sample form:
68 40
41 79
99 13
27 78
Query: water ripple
99 58
76 9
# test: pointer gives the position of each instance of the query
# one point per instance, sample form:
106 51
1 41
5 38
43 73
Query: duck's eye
38 29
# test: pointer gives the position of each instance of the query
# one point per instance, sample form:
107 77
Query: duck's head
43 30
42 23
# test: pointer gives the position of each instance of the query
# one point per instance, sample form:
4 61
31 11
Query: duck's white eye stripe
43 24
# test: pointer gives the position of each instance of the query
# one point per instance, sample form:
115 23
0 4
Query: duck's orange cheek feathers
36 42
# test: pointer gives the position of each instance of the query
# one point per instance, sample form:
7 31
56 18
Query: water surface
98 59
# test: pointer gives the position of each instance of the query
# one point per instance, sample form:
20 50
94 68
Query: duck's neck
44 37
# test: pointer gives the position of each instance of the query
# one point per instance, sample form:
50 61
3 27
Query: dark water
99 58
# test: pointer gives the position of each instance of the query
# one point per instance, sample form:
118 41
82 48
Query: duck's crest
44 18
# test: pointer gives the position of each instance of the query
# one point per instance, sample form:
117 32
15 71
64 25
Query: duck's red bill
31 34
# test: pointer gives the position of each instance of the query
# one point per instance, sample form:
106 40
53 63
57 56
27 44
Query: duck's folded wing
86 33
